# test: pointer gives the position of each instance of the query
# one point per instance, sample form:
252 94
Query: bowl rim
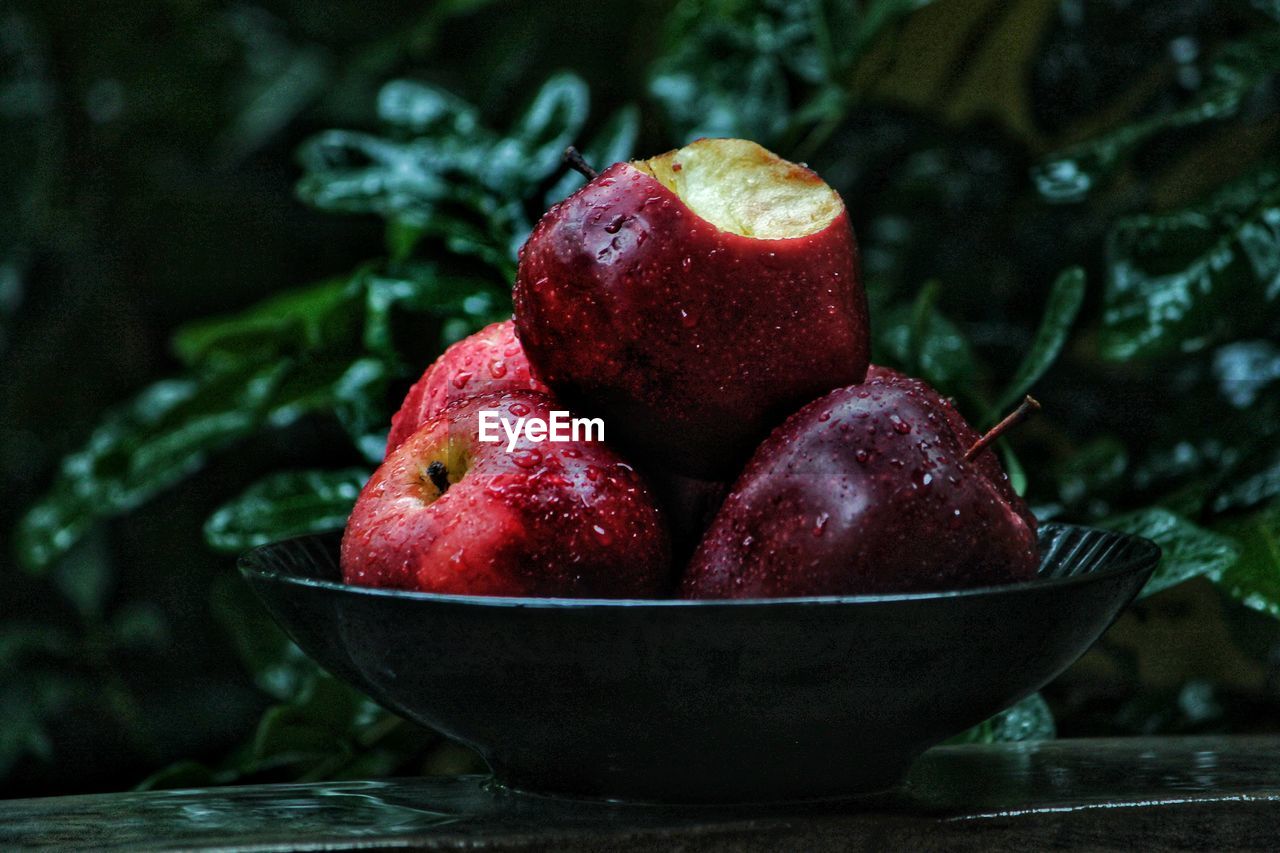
1146 559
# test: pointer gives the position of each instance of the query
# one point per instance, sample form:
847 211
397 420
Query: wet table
1204 792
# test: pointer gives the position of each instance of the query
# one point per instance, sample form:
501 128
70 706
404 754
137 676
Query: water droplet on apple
615 224
862 456
686 264
527 458
497 368
519 409
460 380
899 425
688 319
820 522
605 537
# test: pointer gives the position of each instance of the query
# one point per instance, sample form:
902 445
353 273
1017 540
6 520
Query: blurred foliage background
232 233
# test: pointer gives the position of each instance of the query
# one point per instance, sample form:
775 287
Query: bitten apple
694 300
869 489
448 513
490 360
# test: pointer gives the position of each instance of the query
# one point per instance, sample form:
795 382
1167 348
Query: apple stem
573 158
439 476
1018 415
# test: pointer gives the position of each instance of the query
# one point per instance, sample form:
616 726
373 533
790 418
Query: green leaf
1013 467
1092 470
1245 370
1064 304
910 335
283 505
614 143
1029 719
163 436
420 109
1254 578
1180 280
452 180
359 401
12 285
1247 489
361 173
26 703
734 69
278 667
743 93
1189 550
85 577
1240 67
425 288
139 625
320 725
538 139
317 317
922 312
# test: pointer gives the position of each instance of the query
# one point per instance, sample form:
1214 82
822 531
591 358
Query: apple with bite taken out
694 300
874 488
487 361
449 513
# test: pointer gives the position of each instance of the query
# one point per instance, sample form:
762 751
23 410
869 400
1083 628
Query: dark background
149 181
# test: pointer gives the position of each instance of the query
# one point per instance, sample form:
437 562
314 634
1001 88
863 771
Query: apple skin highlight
866 491
555 519
488 361
691 341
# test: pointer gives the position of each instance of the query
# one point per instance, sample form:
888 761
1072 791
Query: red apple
694 300
448 513
689 505
869 489
490 360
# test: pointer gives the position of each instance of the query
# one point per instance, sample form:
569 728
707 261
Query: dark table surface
1213 793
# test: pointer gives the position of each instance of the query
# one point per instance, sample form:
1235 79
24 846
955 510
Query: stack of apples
706 306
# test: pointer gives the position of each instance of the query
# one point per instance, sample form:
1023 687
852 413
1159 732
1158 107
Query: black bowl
704 701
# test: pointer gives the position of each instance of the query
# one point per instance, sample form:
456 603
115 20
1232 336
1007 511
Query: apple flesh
866 490
694 300
488 361
447 513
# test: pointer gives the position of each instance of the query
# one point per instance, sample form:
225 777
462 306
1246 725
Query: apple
490 360
689 505
694 300
448 513
874 488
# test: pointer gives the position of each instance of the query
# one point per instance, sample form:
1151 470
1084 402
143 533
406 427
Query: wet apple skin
488 361
691 341
865 491
558 519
